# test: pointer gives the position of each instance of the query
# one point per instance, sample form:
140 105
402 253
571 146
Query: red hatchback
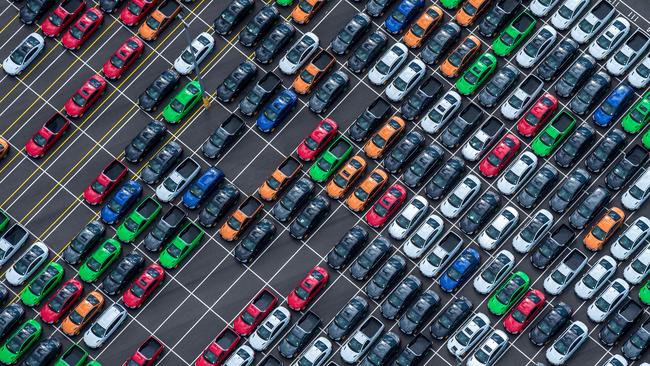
386 206
255 312
82 29
143 286
219 350
62 16
147 353
308 289
524 312
47 136
317 140
500 156
61 301
123 58
86 96
537 116
136 10
105 182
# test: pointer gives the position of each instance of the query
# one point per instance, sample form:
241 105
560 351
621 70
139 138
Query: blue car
460 270
127 195
202 187
614 105
276 111
402 15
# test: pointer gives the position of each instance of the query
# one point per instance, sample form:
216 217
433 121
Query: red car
105 182
524 312
255 312
537 116
123 58
143 286
86 96
136 10
317 140
219 350
47 136
82 29
146 354
62 16
386 206
61 301
308 289
500 156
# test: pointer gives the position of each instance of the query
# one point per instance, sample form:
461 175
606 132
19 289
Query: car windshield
602 304
98 330
518 316
382 67
177 106
599 233
558 277
152 23
515 102
307 77
170 185
565 12
134 8
586 26
234 223
76 318
604 42
188 55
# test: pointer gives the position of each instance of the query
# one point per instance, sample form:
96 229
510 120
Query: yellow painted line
8 23
7 164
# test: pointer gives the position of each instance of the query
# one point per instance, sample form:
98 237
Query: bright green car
181 245
4 220
73 356
41 285
512 36
476 74
450 4
93 363
284 2
553 134
638 116
100 260
20 341
646 140
510 291
644 293
183 102
331 159
139 219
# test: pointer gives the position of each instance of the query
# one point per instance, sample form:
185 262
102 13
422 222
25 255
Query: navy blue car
614 105
202 187
127 195
460 270
402 15
276 111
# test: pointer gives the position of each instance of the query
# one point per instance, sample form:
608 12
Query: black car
627 167
401 297
441 41
403 151
223 137
591 93
347 248
460 127
84 242
274 42
347 318
258 26
620 322
377 8
34 9
309 218
350 34
550 324
296 197
378 111
123 272
451 318
386 277
163 229
419 312
498 86
366 54
260 94
383 350
415 352
541 183
577 74
638 343
606 150
553 64
145 141
589 207
495 18
232 15
225 198
236 81
270 360
575 146
551 246
299 335
371 257
10 316
4 294
158 166
255 241
480 212
158 90
422 165
445 178
43 353
421 99
109 6
328 91
569 190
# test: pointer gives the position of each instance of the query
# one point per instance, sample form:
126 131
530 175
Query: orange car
313 72
239 221
377 145
470 11
423 26
460 57
280 178
159 19
83 313
367 190
604 229
305 10
4 147
345 178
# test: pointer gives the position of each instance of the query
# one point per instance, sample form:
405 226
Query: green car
512 36
41 285
4 220
476 74
331 159
510 291
73 356
100 260
183 102
19 341
646 140
93 363
450 4
644 293
181 245
139 219
638 116
284 2
553 134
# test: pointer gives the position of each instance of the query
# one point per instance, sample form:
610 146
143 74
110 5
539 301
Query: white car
482 139
27 264
608 300
595 278
440 255
517 173
640 76
565 272
316 354
12 240
468 334
490 351
568 12
106 324
537 46
24 54
521 97
388 64
494 272
424 236
638 269
631 239
628 54
242 356
593 22
177 180
461 196
408 218
541 8
638 192
607 41
499 228
199 49
616 360
270 329
567 343
533 231
299 53
406 80
441 112
361 341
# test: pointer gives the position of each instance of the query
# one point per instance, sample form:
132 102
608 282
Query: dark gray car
606 150
558 59
570 190
164 228
258 26
366 54
422 165
328 91
232 15
84 242
403 151
401 297
386 277
296 197
576 75
347 318
161 163
441 41
274 42
236 81
350 34
541 183
144 141
371 257
498 86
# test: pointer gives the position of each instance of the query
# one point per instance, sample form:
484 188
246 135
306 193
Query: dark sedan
347 318
441 41
274 42
224 199
299 335
555 63
34 9
401 297
44 353
10 316
122 273
347 248
255 241
576 76
422 165
236 81
445 178
589 207
144 141
403 151
371 257
366 54
541 183
591 93
569 190
84 242
384 349
163 229
480 212
386 277
377 112
232 15
620 323
310 217
350 34
550 324
498 86
627 167
258 26
158 90
575 146
377 8
638 343
500 14
415 352
451 318
260 94
606 150
419 312
328 91
420 100
157 167
296 197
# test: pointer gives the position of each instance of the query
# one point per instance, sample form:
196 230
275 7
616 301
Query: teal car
20 341
512 36
331 159
183 102
139 219
476 74
553 134
100 260
41 285
638 116
509 293
4 220
181 245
